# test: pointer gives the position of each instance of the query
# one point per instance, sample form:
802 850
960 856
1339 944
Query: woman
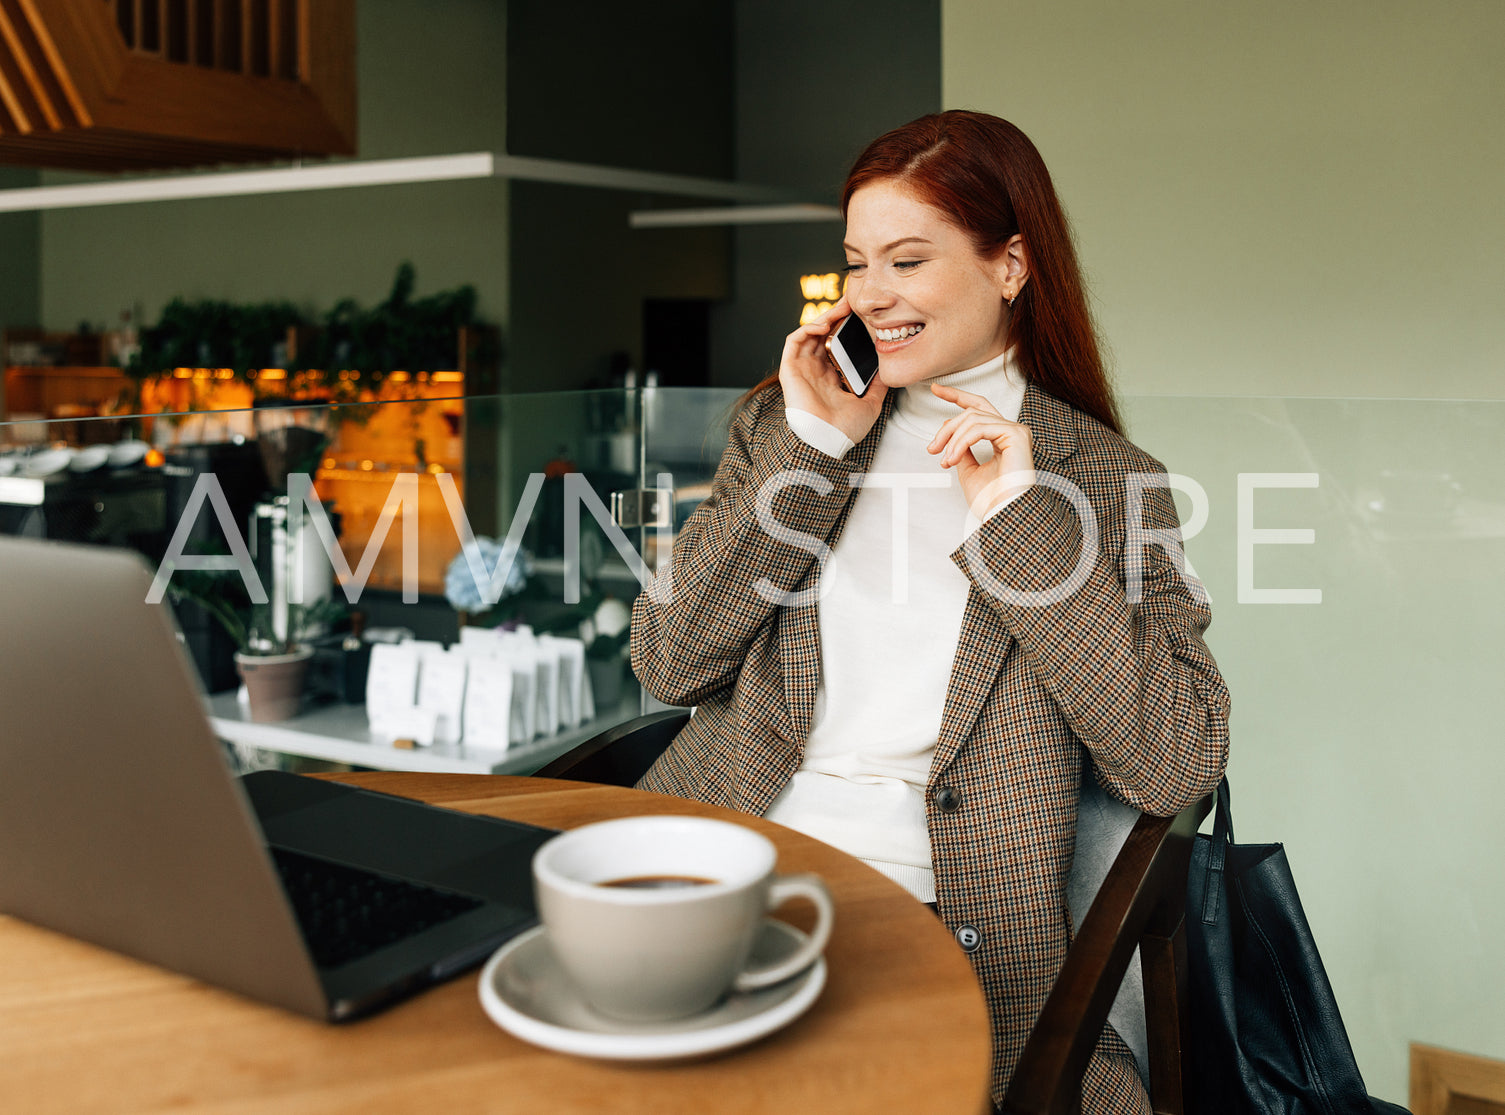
926 675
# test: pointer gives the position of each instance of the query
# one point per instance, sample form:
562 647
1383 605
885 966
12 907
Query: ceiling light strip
374 172
733 215
243 183
643 181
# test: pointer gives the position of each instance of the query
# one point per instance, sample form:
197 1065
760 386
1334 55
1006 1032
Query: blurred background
1289 218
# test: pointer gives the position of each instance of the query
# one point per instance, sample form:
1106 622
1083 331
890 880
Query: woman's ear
1011 268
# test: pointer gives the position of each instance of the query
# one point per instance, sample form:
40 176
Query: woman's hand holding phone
811 383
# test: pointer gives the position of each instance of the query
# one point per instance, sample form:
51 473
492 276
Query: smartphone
851 350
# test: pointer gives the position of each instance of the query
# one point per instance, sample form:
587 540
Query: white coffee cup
653 918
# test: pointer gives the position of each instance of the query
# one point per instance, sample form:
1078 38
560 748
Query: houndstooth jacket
1036 688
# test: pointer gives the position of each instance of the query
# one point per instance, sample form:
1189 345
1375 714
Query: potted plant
272 666
343 355
465 593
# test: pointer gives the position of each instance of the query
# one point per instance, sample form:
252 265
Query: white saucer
527 994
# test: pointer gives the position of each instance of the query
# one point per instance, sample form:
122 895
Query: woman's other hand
1007 472
812 383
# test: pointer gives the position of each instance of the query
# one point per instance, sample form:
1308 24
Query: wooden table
900 1027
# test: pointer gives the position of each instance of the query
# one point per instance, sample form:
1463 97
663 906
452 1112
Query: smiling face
931 303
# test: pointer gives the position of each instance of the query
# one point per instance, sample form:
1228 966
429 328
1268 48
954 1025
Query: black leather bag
1266 1037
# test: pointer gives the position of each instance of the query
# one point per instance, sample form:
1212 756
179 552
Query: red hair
986 177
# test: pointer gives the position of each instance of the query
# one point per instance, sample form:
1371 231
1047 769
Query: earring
1010 300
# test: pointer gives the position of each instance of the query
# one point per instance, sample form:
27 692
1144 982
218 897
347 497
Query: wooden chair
621 755
1142 903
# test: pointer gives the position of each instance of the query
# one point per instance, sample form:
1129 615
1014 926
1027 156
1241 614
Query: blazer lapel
985 640
1051 426
980 652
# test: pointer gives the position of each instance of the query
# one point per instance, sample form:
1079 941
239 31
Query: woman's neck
998 380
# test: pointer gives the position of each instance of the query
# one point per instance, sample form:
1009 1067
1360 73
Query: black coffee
658 882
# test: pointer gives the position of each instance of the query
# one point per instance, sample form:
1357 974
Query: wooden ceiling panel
123 151
19 103
90 85
32 89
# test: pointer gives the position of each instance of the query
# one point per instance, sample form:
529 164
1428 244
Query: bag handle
1222 837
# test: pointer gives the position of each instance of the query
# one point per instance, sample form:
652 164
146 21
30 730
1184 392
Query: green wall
20 252
808 101
20 259
645 87
1271 198
1288 199
432 81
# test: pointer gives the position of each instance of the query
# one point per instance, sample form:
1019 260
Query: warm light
224 373
367 466
154 458
819 292
812 311
273 373
449 377
436 468
201 373
398 377
182 373
329 462
821 287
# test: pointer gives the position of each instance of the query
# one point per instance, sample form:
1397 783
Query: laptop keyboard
346 913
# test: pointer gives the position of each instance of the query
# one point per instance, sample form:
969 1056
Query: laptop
121 824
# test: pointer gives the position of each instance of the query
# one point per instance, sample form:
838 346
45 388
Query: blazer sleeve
692 626
1134 679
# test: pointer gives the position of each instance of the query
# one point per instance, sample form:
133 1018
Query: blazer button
948 800
969 938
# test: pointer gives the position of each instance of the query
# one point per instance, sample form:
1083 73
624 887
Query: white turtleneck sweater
890 619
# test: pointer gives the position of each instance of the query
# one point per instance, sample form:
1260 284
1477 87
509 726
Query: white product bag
485 639
391 688
523 646
441 690
489 705
570 656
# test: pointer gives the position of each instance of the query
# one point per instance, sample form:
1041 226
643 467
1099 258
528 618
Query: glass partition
186 489
684 433
1364 661
1353 550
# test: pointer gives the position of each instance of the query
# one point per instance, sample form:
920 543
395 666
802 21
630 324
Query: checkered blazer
1034 690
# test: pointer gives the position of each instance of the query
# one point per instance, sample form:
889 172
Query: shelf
339 734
